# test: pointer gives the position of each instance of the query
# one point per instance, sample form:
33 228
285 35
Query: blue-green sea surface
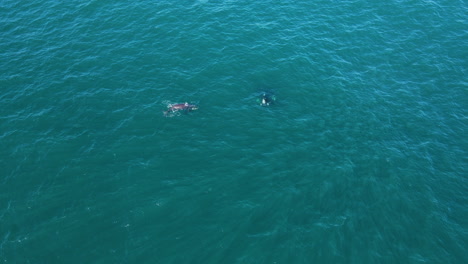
362 158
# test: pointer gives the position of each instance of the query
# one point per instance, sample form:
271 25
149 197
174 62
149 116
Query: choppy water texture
362 158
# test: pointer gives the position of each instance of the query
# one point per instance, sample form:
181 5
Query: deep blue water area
362 157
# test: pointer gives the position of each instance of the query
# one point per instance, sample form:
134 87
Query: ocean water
362 158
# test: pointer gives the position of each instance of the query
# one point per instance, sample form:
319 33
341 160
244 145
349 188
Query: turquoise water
362 158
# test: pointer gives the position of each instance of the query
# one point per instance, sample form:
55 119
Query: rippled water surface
362 158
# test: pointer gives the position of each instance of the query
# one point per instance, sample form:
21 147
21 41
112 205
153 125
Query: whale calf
267 99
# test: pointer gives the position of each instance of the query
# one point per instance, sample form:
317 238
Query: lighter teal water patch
362 159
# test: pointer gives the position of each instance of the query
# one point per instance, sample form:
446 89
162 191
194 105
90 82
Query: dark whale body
267 99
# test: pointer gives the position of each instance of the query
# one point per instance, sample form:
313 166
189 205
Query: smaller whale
185 107
267 99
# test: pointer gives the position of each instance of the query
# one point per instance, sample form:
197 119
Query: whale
182 107
266 99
